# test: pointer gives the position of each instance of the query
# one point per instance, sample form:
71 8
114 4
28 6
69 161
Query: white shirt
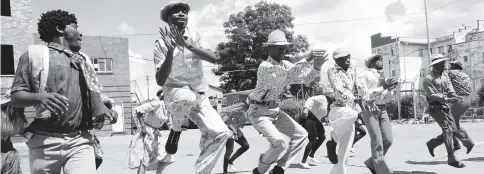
375 89
318 105
187 68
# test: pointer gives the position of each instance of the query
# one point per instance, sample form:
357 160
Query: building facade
16 21
215 94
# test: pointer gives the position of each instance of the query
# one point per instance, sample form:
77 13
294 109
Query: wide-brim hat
277 37
167 7
437 58
340 52
370 59
457 63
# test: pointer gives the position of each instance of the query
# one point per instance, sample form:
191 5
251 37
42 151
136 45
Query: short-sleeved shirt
65 78
318 105
461 82
437 83
187 68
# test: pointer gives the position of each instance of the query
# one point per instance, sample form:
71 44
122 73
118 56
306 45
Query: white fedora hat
277 37
340 52
437 58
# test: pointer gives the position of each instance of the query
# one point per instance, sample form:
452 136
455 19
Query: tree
480 96
246 32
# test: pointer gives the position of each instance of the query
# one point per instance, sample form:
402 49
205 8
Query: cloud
125 28
141 67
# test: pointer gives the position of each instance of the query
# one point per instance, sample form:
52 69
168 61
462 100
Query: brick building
110 55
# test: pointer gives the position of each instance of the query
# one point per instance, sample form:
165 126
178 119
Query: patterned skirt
148 150
10 158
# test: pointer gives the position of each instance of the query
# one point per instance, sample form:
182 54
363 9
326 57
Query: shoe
305 165
256 171
331 148
469 149
457 164
371 170
232 168
277 170
313 161
431 149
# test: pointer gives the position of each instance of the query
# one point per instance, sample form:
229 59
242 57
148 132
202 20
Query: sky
328 24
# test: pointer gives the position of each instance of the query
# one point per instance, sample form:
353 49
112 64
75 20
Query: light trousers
380 131
183 103
342 121
50 155
273 123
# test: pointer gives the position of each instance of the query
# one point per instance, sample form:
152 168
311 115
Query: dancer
146 150
179 69
349 91
314 110
235 121
440 93
13 123
61 82
461 84
375 115
274 74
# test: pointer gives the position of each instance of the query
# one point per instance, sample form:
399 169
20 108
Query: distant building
215 94
235 97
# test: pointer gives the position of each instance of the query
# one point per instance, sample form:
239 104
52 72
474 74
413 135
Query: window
431 50
441 50
103 64
449 48
393 73
392 51
420 53
6 11
8 67
465 58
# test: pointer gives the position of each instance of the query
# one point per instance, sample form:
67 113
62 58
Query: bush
292 107
406 104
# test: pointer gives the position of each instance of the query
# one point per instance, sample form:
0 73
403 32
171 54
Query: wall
16 30
471 54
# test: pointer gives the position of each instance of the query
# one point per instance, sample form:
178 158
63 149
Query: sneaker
232 168
305 165
331 150
313 161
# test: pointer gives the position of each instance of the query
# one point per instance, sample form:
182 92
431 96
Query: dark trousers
244 146
359 132
381 136
457 110
443 117
316 135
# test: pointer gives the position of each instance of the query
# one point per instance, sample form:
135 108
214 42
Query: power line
315 23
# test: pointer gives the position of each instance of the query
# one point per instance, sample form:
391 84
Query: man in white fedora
178 57
273 75
440 93
349 91
375 115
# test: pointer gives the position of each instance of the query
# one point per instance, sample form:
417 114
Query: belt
159 128
62 135
265 103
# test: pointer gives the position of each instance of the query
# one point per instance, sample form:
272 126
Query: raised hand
178 36
168 39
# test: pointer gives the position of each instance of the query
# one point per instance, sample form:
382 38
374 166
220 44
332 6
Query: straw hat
370 59
277 37
437 58
340 52
167 7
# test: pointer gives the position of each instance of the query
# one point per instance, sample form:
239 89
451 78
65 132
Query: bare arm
203 54
165 56
20 90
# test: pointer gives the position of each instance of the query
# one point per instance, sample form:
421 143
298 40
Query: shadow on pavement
412 172
296 166
476 159
426 162
236 172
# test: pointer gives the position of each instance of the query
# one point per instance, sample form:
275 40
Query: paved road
408 154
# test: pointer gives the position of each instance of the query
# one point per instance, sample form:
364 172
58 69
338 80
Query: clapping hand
390 83
320 57
170 42
178 36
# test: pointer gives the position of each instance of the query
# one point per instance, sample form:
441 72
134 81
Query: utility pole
148 86
427 26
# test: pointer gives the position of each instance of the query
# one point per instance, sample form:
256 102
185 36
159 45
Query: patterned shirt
154 112
187 68
347 86
461 82
373 81
437 83
273 77
318 105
